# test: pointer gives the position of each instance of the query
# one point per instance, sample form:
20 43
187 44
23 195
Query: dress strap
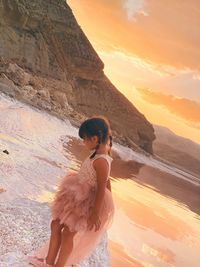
106 156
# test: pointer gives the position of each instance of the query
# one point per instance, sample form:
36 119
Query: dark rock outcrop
47 61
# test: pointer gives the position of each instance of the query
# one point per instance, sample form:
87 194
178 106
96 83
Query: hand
94 220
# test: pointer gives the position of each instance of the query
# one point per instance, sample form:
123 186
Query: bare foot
34 260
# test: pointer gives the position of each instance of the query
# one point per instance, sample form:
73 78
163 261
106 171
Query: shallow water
156 224
154 229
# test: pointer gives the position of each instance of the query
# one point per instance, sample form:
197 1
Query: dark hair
99 126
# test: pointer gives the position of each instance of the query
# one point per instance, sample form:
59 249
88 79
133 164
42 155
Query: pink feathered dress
72 203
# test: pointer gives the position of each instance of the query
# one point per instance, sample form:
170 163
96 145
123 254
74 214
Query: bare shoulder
101 162
101 167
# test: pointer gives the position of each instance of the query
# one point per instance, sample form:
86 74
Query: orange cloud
186 109
163 32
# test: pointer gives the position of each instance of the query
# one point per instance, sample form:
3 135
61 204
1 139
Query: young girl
82 209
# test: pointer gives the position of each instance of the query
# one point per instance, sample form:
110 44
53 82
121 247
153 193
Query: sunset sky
151 53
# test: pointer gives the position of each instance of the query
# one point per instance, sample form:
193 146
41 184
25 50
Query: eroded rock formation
47 61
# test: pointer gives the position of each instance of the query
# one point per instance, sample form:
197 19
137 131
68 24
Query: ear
94 138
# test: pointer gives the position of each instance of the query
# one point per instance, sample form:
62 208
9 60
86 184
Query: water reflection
171 186
161 254
152 228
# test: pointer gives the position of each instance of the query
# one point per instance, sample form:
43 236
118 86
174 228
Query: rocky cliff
47 61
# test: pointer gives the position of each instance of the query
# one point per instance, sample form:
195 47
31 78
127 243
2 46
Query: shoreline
75 122
75 119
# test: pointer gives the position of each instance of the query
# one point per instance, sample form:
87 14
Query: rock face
47 61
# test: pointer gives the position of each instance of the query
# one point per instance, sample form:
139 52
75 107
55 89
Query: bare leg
55 241
66 247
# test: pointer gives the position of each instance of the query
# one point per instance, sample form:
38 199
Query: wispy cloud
142 74
134 7
184 108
